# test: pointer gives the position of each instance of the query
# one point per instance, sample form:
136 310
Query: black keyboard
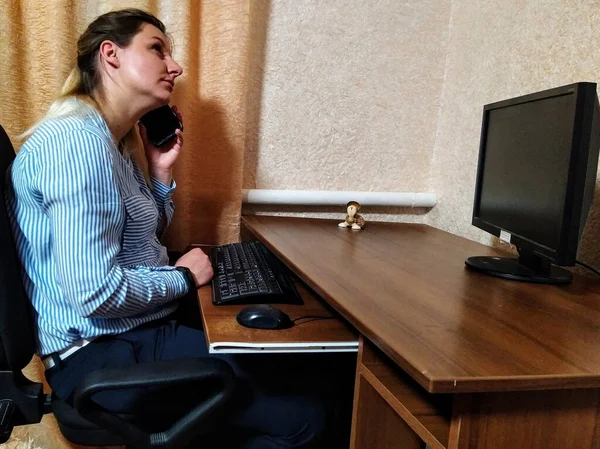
248 273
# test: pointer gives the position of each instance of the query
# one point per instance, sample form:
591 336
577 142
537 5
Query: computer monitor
536 178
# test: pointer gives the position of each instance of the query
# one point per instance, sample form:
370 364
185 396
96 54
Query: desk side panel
378 425
382 390
565 419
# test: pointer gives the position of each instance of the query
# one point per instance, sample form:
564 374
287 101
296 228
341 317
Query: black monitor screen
526 166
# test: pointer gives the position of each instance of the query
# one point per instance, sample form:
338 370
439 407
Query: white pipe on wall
337 198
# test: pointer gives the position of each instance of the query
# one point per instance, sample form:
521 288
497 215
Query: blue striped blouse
87 229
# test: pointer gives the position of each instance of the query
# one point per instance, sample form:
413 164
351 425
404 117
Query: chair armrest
157 374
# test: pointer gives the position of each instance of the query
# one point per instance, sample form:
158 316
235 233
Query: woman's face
146 68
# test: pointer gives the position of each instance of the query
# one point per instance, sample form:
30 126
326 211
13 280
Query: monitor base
510 268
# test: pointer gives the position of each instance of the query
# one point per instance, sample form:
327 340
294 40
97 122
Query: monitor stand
527 268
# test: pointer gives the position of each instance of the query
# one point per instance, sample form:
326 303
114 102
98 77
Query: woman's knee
309 424
278 421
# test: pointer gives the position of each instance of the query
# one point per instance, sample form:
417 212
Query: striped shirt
87 229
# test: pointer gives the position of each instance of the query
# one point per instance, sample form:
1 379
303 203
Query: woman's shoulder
63 132
74 125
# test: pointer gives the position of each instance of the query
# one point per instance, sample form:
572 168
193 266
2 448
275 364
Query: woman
87 227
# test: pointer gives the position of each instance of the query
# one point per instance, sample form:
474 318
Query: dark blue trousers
270 410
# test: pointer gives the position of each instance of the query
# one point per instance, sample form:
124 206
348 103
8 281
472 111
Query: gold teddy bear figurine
353 219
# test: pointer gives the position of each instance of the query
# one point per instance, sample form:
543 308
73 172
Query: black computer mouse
264 316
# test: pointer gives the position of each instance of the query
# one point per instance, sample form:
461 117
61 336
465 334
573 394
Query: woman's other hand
199 264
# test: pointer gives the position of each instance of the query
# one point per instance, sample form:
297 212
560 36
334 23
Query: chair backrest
17 339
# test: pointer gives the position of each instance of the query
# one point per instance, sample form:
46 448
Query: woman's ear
108 53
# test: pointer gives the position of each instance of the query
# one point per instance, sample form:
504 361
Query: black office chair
24 402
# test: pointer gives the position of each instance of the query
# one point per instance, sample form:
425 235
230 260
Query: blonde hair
84 82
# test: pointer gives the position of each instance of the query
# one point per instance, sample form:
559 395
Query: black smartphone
161 124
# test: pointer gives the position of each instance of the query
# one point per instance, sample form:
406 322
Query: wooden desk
451 357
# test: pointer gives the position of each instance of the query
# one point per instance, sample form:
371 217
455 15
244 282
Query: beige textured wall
389 95
346 95
499 50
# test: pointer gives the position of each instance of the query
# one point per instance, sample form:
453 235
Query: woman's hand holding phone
162 158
